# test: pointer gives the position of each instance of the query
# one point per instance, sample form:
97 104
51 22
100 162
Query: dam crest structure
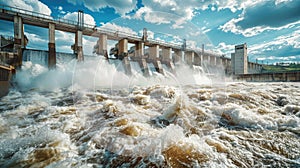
144 51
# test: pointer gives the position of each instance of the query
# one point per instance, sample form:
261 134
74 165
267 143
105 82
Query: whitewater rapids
71 119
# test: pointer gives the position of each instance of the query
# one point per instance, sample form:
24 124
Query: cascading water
36 56
91 114
41 57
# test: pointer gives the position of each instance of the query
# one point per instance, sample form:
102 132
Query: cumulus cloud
31 5
35 38
121 7
273 59
150 34
166 12
191 44
65 40
118 28
279 48
88 19
232 26
284 45
223 48
178 12
254 20
277 15
61 11
234 5
88 44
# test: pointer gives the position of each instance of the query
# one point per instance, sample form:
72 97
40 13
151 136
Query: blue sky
270 28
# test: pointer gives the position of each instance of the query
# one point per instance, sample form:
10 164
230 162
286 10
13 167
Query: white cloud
288 59
231 26
35 38
118 28
64 36
204 30
254 20
65 40
235 5
178 12
165 12
121 6
88 44
292 40
61 11
149 16
88 19
179 23
150 34
191 44
31 5
225 48
281 1
268 49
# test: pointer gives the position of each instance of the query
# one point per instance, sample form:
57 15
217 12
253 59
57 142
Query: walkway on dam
42 20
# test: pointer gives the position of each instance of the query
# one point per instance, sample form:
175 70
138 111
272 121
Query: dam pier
145 50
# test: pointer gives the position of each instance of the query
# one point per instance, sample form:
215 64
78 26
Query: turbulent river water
92 115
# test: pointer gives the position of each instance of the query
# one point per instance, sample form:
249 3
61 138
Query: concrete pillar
127 66
123 48
166 54
158 67
154 52
218 61
177 57
197 59
212 60
18 39
51 47
144 67
78 45
102 45
233 62
221 61
205 59
260 67
139 49
153 57
283 77
145 36
19 31
188 57
171 66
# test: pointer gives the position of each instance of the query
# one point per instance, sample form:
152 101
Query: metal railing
75 23
104 30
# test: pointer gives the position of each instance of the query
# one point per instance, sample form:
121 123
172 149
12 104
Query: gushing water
91 114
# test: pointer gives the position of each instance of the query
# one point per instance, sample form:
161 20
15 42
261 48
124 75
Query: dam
145 51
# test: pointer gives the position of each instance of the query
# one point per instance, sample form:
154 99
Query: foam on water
91 114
